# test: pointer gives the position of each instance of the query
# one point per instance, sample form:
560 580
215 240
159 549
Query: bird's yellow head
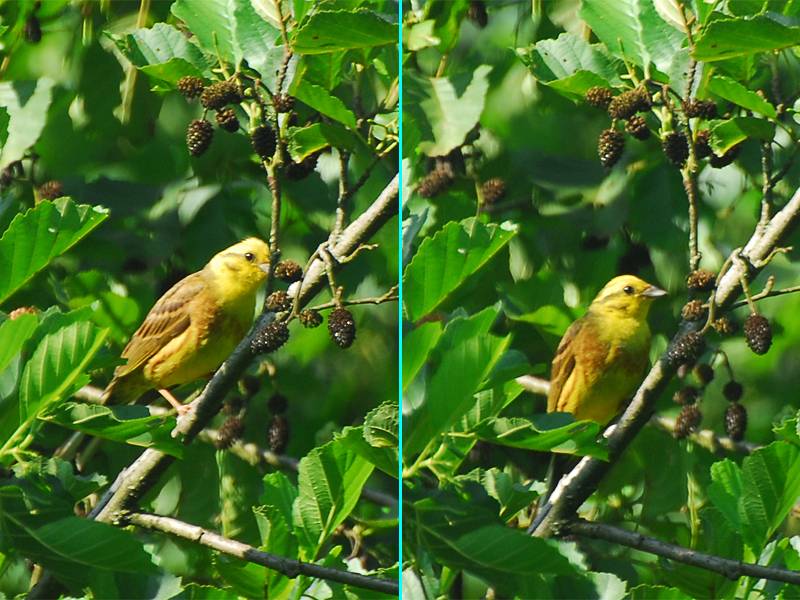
240 269
626 295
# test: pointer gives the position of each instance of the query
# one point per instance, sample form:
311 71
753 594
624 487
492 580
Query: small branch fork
289 567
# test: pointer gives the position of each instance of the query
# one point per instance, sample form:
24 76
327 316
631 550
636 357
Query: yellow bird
603 355
194 326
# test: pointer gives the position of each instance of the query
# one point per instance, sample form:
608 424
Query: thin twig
288 566
766 294
708 439
287 50
732 569
344 193
390 296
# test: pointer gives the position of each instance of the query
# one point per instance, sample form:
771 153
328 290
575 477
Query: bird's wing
563 365
169 317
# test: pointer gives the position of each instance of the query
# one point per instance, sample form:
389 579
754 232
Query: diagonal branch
288 566
578 485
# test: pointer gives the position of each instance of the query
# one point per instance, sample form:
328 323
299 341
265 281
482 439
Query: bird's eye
628 289
249 256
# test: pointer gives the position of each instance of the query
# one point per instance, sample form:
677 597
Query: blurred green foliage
495 90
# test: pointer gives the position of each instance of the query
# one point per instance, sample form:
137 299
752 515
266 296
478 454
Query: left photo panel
199 299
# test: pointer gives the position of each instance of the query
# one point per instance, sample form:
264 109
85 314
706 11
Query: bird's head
627 295
241 268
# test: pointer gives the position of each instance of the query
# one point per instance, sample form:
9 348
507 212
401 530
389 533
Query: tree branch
289 567
145 471
732 569
578 485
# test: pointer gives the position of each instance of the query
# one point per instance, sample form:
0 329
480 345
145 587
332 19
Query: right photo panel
600 358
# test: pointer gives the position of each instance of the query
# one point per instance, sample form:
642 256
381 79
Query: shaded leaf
332 31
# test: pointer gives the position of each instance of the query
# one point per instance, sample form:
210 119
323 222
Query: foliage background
114 136
531 263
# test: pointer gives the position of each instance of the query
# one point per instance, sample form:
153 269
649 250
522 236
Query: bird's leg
182 409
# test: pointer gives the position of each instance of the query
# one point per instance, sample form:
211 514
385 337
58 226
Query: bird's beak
264 267
653 292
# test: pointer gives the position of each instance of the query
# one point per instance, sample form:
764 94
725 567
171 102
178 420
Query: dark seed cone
686 395
22 310
724 326
278 301
598 96
637 127
693 310
642 99
718 162
675 148
50 190
283 103
688 421
300 170
435 182
278 434
342 327
702 144
250 384
263 141
610 145
233 405
33 30
190 87
219 94
198 136
277 404
477 13
625 105
288 271
758 333
735 421
701 280
231 430
227 119
270 338
687 349
705 109
310 318
732 391
704 374
493 190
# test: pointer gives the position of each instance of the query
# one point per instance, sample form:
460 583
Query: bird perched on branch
194 326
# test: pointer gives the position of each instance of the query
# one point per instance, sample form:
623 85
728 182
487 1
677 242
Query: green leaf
468 354
233 28
735 92
161 44
512 496
332 31
656 592
322 100
550 432
633 29
381 427
726 490
569 63
445 261
275 525
329 481
725 38
57 367
422 339
726 134
127 424
382 457
27 104
13 335
448 115
304 141
40 234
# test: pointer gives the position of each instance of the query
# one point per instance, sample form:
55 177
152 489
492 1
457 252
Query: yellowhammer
603 355
194 326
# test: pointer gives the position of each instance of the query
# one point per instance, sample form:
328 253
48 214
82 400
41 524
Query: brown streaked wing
166 320
563 365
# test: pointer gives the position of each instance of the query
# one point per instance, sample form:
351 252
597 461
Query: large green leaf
322 100
57 367
27 104
329 480
512 496
734 91
422 339
445 261
725 38
635 30
466 354
13 335
128 424
160 44
40 234
552 432
436 105
275 525
726 134
331 31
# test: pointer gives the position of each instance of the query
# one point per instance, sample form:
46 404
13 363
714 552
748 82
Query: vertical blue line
400 293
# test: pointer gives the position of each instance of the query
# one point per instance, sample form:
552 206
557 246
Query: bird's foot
179 407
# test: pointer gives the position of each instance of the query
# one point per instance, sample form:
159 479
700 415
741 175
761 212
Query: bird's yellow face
240 269
626 295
